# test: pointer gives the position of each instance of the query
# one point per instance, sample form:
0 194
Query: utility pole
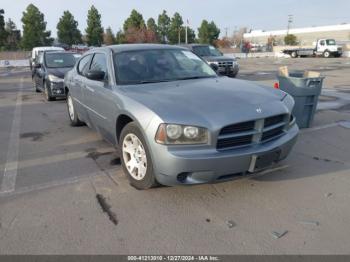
186 29
226 29
179 35
290 21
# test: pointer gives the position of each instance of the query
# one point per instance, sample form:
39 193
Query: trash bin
305 91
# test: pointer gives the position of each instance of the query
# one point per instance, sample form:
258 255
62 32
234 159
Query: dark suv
49 70
225 65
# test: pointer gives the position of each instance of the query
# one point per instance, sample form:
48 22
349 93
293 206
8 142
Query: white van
37 50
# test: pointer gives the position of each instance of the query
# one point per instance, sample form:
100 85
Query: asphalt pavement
51 174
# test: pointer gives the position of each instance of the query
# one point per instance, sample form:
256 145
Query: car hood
217 58
216 101
59 72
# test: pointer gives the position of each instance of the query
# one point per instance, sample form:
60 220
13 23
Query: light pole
290 21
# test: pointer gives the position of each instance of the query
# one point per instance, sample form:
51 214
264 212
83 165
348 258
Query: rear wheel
294 54
72 113
135 157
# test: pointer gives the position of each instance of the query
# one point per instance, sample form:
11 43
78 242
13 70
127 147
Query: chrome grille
225 63
237 128
252 132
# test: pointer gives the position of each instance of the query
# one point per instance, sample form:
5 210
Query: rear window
59 60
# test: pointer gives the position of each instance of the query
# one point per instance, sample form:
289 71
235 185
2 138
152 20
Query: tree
175 29
34 29
13 36
135 20
290 40
223 43
67 30
191 35
152 26
3 33
208 32
163 26
238 36
142 35
94 30
120 37
108 37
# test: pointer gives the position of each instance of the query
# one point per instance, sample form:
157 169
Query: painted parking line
10 172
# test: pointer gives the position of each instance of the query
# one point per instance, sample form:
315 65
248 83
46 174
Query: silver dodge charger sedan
173 119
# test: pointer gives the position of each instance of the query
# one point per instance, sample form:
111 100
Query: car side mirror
37 65
95 75
214 67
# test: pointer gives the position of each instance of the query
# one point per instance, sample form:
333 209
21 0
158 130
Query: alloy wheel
134 156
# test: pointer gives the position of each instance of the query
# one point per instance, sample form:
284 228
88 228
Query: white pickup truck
324 47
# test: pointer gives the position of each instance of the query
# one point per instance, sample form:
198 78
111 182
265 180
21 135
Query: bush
290 40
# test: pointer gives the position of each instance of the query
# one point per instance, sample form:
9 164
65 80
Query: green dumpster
305 91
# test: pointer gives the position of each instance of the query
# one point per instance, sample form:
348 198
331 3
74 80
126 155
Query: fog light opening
182 177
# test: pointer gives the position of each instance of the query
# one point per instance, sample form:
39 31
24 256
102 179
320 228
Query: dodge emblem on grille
258 110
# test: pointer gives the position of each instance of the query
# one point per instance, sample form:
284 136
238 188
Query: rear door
100 98
78 85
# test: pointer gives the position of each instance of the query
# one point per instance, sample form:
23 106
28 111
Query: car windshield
58 60
330 42
159 65
206 51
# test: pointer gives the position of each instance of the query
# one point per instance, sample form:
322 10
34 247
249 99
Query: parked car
323 47
48 73
173 120
223 65
37 50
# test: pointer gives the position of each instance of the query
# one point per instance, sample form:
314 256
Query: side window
40 58
322 43
84 64
99 63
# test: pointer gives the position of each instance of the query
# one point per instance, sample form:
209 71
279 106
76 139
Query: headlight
172 134
289 102
54 78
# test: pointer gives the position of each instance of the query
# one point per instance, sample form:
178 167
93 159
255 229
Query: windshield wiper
195 77
154 81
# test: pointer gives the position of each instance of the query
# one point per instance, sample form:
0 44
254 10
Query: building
306 36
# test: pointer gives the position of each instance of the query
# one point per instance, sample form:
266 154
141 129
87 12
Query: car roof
59 52
44 48
136 47
194 45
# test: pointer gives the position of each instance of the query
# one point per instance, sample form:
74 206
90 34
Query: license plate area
265 160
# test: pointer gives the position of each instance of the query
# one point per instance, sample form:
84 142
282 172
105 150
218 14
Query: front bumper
229 70
57 89
208 166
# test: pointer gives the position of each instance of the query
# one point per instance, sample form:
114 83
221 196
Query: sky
230 14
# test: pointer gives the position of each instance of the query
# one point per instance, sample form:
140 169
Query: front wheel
326 54
47 93
72 113
135 157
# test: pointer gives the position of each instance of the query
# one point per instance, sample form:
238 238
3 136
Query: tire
35 85
47 93
232 75
294 54
132 147
326 54
72 113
